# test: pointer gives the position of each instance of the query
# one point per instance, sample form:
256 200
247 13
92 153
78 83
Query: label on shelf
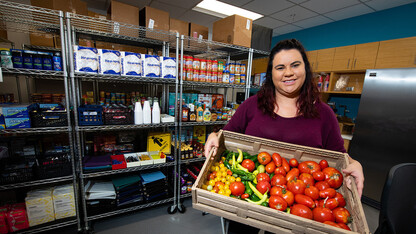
116 28
248 24
151 23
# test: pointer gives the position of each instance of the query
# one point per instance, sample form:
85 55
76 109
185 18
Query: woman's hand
212 143
356 170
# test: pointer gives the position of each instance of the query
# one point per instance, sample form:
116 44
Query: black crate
43 118
16 170
54 166
117 115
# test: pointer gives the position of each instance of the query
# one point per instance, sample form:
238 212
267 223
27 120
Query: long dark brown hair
309 93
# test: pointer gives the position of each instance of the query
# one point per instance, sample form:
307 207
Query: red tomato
328 192
263 186
318 176
277 159
264 158
278 179
245 195
340 199
293 162
280 170
213 175
332 224
308 167
321 214
292 174
342 215
277 203
305 200
283 192
249 164
263 177
302 211
312 192
296 186
333 177
237 188
321 185
344 226
331 203
274 190
285 165
307 179
270 167
323 164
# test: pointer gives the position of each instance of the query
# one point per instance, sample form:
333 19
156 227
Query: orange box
124 13
42 39
217 101
179 26
156 19
234 29
196 30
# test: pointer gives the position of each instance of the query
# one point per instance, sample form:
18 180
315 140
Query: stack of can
235 73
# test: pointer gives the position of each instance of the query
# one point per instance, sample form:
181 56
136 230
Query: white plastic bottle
147 113
156 113
138 113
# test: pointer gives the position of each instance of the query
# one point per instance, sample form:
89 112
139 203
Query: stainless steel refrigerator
385 130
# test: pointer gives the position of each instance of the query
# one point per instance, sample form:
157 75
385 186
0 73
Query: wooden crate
266 218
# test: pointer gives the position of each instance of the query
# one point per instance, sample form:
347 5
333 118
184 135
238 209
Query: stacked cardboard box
234 29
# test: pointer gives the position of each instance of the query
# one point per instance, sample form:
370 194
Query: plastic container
195 75
138 113
202 76
208 76
57 61
27 59
189 75
6 58
147 113
214 66
156 113
188 62
232 68
203 65
243 79
237 68
242 69
209 65
37 60
232 78
196 64
236 78
219 77
214 77
226 77
17 57
47 61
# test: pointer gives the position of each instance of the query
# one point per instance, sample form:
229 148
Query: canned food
196 64
208 76
195 75
209 65
237 68
232 78
214 66
236 78
202 75
188 62
203 65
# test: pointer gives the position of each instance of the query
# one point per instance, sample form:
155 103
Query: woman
288 108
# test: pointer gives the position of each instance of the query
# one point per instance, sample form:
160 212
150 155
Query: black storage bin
17 169
54 166
261 37
49 117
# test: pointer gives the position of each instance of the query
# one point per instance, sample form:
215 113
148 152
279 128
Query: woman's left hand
356 170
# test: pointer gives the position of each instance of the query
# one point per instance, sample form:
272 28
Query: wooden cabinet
324 60
351 82
355 57
312 55
397 53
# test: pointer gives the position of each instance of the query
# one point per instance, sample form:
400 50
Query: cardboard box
39 206
198 31
74 6
42 39
179 26
264 217
234 29
155 19
124 13
159 142
217 101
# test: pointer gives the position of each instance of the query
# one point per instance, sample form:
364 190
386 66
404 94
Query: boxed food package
42 39
63 201
264 217
86 59
39 206
168 67
12 123
123 13
3 223
154 19
17 219
234 29
179 26
200 133
198 31
109 62
131 64
159 142
151 65
206 99
217 101
17 111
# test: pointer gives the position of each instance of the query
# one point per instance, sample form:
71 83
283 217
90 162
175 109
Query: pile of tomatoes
307 189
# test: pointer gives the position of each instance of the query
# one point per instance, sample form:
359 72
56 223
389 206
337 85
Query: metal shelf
34 130
36 182
204 123
186 195
130 169
51 225
119 78
184 161
34 73
122 127
43 48
121 211
208 84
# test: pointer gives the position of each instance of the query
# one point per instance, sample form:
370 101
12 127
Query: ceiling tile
293 14
288 28
312 22
198 18
174 11
349 12
269 22
383 4
324 6
138 3
298 1
267 7
235 2
188 4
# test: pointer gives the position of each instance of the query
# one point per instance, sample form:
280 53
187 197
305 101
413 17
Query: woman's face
288 73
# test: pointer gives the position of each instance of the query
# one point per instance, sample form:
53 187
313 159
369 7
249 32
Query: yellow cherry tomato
211 182
232 179
238 179
223 180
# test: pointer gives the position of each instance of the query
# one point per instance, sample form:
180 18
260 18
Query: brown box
234 29
124 13
42 39
96 15
3 33
103 45
156 19
179 26
74 6
196 30
266 218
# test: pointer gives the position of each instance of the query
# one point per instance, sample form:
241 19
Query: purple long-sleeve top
322 132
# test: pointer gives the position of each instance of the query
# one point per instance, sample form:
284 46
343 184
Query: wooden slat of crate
264 217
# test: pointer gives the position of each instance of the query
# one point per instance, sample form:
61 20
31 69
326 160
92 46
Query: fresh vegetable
309 167
302 211
264 158
312 192
277 203
307 179
263 199
323 164
261 168
237 188
248 164
321 185
342 215
285 165
293 162
305 200
344 226
284 193
263 186
296 186
270 167
322 214
280 170
333 177
277 159
278 179
328 192
240 156
258 194
292 174
340 199
318 176
262 177
332 224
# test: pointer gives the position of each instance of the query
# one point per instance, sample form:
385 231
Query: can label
57 64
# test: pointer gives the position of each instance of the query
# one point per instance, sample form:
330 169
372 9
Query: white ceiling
283 16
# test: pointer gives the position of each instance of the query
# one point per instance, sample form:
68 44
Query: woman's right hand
213 142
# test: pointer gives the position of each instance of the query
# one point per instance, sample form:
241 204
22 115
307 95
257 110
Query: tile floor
156 220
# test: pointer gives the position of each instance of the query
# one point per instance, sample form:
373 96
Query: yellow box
39 206
63 201
159 142
200 132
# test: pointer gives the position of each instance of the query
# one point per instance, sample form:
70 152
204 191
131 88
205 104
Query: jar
214 66
237 68
227 67
196 75
189 76
220 66
27 59
17 57
232 77
236 78
5 58
57 62
209 65
188 62
196 64
208 76
232 68
243 79
219 77
214 77
47 61
226 77
203 65
37 60
202 75
242 69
